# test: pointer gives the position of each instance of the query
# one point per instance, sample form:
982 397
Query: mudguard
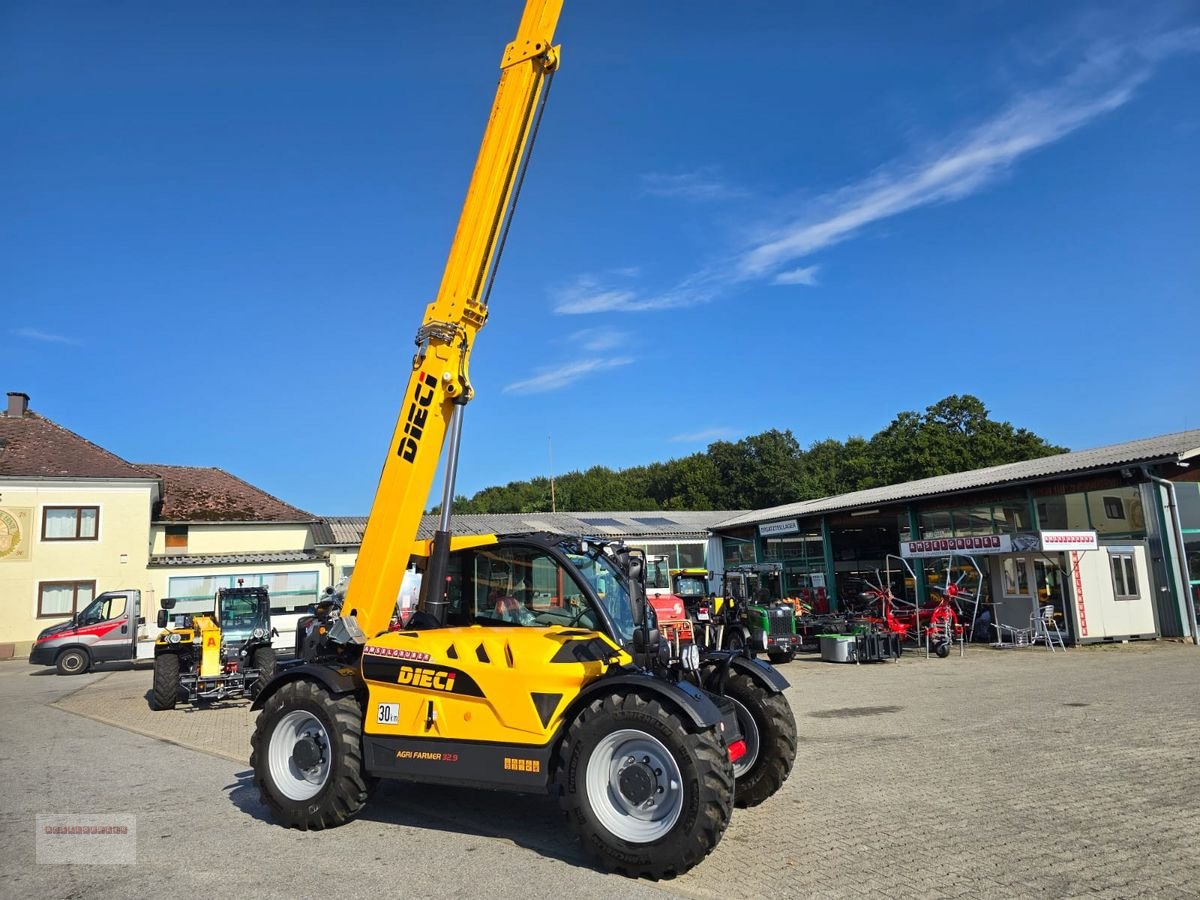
686 697
765 675
338 680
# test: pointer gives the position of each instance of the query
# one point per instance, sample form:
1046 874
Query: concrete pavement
1003 774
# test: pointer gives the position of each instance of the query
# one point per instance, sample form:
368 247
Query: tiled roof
34 446
348 530
198 494
232 559
1164 448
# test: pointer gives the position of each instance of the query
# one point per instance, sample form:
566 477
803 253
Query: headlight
258 632
690 657
172 638
765 642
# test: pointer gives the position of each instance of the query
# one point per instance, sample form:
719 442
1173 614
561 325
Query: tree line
956 434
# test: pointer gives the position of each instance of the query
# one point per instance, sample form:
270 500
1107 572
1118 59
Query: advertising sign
1062 541
16 534
1039 542
770 529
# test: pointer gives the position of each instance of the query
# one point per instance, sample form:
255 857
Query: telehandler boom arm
439 385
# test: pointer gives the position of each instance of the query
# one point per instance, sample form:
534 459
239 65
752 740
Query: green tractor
753 612
211 656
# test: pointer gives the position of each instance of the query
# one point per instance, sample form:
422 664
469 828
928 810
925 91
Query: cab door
111 622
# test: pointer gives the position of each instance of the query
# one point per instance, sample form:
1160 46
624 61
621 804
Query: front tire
73 661
264 660
647 797
307 757
769 730
166 681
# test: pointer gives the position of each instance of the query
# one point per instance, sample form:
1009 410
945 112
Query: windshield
609 585
690 586
239 616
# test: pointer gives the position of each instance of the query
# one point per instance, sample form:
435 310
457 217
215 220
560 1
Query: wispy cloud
556 378
806 275
702 185
597 340
969 159
590 294
708 434
967 163
33 334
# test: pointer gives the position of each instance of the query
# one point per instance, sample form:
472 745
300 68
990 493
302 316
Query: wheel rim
634 786
72 662
750 736
299 734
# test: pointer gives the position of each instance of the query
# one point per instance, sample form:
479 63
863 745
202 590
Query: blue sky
224 220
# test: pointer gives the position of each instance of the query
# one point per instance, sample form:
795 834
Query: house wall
115 559
233 537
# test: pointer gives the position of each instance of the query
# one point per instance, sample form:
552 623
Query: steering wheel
584 609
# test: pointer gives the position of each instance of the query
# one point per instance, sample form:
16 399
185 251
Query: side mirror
167 602
645 641
162 618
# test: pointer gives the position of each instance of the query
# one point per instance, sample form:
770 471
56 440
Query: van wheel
166 681
74 661
647 797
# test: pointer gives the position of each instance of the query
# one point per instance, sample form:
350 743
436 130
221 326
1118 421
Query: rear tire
768 719
73 661
685 778
166 681
734 641
306 753
263 659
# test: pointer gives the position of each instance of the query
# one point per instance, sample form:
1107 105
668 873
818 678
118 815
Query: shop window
691 556
1188 496
1124 574
70 523
176 536
1064 512
1014 574
291 592
737 552
1117 511
58 599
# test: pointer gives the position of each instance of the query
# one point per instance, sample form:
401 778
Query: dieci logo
414 420
426 678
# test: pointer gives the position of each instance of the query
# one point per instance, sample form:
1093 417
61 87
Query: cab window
521 586
103 608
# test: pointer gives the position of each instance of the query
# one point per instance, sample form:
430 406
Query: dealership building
1017 536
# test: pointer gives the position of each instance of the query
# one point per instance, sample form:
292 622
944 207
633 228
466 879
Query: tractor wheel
778 657
306 753
647 797
262 659
74 661
166 681
769 730
942 650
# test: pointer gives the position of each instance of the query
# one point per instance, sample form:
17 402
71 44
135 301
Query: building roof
32 446
233 559
685 525
1175 447
207 494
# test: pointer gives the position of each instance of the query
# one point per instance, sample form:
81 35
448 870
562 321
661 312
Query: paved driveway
1003 774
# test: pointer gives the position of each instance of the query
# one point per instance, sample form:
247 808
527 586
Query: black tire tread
777 750
266 662
166 681
715 773
348 790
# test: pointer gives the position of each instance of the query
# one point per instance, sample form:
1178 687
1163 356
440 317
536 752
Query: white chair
1045 628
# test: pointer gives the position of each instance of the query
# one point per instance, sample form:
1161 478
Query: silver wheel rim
72 662
750 736
638 823
290 779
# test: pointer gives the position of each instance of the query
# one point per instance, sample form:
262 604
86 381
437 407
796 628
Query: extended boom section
439 380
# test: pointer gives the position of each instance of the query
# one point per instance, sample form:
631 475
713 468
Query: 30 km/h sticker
387 714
